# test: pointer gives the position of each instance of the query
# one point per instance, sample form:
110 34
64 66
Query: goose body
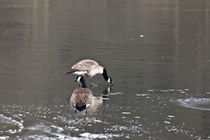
90 68
82 97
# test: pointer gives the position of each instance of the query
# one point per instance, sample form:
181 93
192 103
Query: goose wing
84 65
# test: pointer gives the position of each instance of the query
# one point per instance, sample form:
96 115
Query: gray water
156 51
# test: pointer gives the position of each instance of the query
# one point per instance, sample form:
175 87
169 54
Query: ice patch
171 116
167 122
126 113
4 137
141 95
150 90
164 90
115 93
98 136
195 103
13 122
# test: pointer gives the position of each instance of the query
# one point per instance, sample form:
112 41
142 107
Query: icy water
156 51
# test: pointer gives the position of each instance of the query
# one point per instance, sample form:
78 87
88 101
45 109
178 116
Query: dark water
156 51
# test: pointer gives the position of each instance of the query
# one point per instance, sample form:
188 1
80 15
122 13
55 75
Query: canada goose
82 97
90 68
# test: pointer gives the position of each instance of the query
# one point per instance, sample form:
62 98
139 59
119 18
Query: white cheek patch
80 72
108 89
87 105
78 79
109 80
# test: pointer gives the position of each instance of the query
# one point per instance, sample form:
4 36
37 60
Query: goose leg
86 111
90 79
75 115
92 84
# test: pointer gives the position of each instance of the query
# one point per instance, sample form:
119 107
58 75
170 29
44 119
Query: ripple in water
195 103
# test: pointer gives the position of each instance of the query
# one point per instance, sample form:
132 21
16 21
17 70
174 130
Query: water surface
157 52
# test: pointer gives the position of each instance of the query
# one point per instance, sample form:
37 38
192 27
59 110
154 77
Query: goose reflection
106 93
82 97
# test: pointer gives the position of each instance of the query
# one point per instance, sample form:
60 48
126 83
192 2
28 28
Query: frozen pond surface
157 53
195 103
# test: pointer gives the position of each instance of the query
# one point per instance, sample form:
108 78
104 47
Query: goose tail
71 71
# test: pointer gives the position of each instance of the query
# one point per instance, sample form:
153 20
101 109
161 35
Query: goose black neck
82 80
105 75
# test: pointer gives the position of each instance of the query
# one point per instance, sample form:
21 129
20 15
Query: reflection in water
84 98
106 92
81 98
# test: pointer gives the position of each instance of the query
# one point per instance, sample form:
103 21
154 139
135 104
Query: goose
89 68
82 97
